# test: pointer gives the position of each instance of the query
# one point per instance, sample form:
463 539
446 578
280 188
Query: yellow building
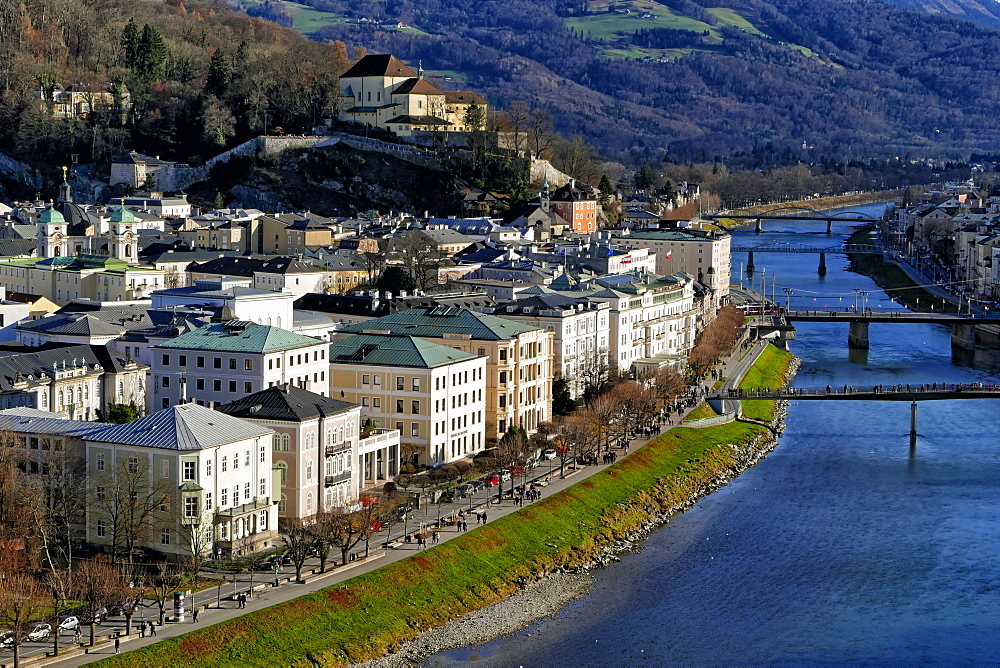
518 383
62 279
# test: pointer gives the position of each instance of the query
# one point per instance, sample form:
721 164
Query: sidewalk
265 594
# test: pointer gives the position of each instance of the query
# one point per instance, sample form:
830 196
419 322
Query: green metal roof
51 215
436 321
385 350
123 215
239 337
677 235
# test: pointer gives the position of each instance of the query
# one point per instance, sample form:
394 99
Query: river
842 547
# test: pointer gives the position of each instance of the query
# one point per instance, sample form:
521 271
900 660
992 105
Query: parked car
6 638
69 623
39 632
505 475
492 480
376 525
549 453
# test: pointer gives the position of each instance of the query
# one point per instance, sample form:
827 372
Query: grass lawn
702 411
728 17
365 616
613 26
768 372
305 19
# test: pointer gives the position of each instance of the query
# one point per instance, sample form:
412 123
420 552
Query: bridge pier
829 226
913 421
857 337
759 227
822 264
750 267
963 336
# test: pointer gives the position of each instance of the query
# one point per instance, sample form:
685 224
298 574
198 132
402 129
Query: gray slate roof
288 404
183 427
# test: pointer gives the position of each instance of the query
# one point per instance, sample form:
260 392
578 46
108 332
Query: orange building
577 205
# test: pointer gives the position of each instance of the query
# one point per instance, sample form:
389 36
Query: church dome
52 216
123 215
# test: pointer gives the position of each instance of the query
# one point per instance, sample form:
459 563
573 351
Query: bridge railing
847 390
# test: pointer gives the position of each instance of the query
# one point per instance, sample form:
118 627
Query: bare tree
580 437
373 262
64 503
541 132
298 541
511 449
21 510
343 528
198 543
518 117
99 585
167 579
22 603
127 500
669 384
59 586
420 257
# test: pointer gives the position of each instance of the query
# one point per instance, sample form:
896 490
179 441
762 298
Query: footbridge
850 249
963 326
804 214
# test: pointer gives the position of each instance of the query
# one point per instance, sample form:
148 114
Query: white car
69 623
6 638
549 453
40 632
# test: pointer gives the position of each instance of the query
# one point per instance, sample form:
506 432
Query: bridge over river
853 249
797 213
963 326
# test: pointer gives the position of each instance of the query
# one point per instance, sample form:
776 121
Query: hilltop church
381 91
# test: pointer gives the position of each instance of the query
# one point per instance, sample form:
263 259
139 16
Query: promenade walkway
214 609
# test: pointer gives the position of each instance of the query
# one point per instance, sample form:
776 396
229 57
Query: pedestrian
76 635
194 615
142 629
118 642
484 517
152 628
436 536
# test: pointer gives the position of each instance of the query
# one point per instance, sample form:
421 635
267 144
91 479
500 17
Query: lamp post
788 296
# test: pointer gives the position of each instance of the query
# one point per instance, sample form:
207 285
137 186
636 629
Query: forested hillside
781 78
187 78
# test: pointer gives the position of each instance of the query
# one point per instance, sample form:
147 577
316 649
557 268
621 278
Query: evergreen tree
219 73
151 54
130 43
646 177
605 191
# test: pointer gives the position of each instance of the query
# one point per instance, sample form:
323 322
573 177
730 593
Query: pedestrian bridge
797 213
898 392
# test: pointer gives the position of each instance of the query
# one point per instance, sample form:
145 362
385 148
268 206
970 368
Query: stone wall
542 170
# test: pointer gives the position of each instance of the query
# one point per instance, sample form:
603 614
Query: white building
212 471
220 363
242 302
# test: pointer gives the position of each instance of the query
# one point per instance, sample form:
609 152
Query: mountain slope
846 77
986 12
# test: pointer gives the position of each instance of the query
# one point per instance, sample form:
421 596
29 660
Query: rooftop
436 321
183 427
288 404
240 337
394 351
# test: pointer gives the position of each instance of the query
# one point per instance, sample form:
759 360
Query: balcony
337 448
331 480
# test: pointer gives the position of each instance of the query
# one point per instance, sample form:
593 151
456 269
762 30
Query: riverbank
818 204
893 279
582 527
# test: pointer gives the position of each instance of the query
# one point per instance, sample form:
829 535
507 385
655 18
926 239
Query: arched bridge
856 249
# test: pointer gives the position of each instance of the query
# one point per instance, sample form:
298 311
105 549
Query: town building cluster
271 375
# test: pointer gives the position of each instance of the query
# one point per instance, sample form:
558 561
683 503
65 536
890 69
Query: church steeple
420 69
543 196
65 192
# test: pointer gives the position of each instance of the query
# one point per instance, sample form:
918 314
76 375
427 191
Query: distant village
281 363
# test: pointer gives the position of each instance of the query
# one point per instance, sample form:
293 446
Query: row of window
273 363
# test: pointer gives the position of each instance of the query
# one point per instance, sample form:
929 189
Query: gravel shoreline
538 600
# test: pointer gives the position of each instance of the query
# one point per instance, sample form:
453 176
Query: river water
842 547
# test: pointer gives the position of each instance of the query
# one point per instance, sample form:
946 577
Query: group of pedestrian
241 600
481 517
610 457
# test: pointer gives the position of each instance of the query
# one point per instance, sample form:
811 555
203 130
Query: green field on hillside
614 26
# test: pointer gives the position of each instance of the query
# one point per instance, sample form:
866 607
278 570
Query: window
199 383
248 365
166 360
217 362
132 464
378 379
232 362
503 377
246 458
377 402
481 352
236 462
283 471
200 362
224 463
263 487
262 450
208 469
208 500
415 407
414 429
503 354
400 383
190 506
246 491
415 385
364 402
102 529
365 379
225 498
100 461
309 470
282 503
182 361
166 383
165 469
189 470
248 388
503 401
165 537
217 385
232 386
399 405
101 493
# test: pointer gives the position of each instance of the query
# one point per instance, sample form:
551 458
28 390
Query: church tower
51 240
123 242
543 197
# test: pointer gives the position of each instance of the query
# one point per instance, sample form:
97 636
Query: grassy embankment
894 280
701 411
368 615
770 371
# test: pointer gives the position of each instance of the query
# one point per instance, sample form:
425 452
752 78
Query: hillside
782 79
986 12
